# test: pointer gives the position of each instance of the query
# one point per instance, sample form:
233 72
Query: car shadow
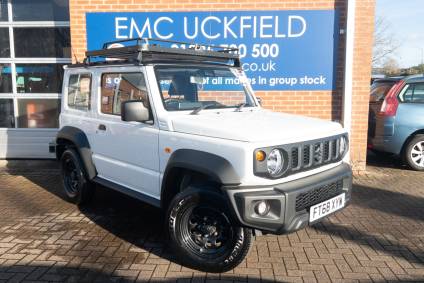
142 225
375 245
55 273
389 202
385 160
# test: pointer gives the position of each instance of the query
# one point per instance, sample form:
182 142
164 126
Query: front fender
217 167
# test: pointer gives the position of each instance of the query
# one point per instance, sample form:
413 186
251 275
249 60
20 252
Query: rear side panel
409 119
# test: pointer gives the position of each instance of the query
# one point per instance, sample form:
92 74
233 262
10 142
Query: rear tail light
391 102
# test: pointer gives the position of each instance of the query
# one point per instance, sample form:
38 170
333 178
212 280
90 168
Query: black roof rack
148 50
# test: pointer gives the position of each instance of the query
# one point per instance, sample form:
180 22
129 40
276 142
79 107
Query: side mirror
134 111
259 100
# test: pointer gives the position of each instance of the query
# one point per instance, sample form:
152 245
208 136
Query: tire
77 187
193 214
414 153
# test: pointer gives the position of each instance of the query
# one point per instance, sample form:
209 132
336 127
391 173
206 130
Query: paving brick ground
379 238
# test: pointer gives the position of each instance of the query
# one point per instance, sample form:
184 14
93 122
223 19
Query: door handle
102 127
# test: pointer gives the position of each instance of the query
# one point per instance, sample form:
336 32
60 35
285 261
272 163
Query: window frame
67 106
99 100
12 60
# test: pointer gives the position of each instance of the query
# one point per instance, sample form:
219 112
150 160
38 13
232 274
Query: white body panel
26 143
133 154
255 125
126 152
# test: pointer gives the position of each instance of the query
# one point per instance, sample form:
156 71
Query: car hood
254 126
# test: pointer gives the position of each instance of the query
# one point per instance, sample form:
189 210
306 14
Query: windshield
191 88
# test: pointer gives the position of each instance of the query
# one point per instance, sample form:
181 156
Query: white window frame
12 60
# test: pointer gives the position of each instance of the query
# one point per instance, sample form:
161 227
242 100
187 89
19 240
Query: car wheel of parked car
77 188
202 233
414 153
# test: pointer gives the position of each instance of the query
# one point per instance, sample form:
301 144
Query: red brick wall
322 104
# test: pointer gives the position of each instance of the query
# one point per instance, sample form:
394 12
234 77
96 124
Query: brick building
322 102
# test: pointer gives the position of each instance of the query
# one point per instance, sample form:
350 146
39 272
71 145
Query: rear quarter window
79 92
412 93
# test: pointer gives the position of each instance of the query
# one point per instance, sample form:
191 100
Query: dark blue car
396 118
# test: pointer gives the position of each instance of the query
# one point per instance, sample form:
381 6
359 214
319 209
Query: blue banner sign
280 50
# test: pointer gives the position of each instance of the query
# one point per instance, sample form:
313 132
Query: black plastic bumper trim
284 217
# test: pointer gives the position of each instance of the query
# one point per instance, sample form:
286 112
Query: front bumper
289 202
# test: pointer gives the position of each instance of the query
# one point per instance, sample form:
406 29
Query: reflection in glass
39 78
4 42
3 11
79 92
120 87
56 42
5 78
40 10
7 119
38 113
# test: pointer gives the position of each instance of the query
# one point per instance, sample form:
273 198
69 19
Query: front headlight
274 162
343 146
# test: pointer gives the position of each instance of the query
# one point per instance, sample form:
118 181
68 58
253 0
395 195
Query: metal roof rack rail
148 50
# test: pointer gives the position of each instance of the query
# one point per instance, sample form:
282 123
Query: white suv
182 130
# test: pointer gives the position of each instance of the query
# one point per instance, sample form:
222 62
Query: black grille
306 155
320 194
314 154
295 157
326 151
334 148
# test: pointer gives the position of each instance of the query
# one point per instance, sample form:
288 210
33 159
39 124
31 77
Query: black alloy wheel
202 232
78 189
206 231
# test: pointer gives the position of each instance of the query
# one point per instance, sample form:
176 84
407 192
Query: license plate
326 207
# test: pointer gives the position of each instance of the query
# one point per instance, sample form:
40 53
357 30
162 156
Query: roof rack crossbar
147 46
148 41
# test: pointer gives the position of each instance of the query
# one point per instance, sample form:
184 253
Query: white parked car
181 129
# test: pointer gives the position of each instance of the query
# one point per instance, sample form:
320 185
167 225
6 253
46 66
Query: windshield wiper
200 108
240 106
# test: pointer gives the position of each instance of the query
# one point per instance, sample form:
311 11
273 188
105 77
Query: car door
125 153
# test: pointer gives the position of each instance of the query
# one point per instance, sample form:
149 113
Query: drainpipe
348 68
348 74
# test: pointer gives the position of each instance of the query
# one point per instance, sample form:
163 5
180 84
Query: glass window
42 42
418 95
38 113
3 11
40 10
4 43
79 91
413 93
5 78
39 78
7 119
119 87
380 90
189 88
